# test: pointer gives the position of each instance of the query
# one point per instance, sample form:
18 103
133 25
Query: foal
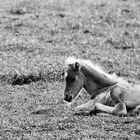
109 93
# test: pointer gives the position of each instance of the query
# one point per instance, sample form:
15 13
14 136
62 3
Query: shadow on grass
23 79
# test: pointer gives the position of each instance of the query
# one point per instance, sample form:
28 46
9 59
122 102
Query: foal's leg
90 106
117 97
87 107
119 109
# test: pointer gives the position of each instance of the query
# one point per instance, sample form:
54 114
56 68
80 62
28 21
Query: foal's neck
95 80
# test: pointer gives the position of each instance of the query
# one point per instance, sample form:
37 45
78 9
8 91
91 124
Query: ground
36 37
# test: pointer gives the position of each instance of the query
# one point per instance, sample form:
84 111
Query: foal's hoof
79 109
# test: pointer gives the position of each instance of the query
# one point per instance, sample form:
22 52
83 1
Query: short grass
36 36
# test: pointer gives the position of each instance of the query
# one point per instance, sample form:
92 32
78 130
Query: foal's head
74 81
82 73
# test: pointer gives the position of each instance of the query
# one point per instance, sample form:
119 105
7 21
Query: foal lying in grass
109 93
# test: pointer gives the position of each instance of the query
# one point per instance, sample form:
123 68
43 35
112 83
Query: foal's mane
89 65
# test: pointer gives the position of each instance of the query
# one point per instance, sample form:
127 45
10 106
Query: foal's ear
77 66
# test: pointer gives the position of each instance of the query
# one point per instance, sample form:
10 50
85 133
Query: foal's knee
120 109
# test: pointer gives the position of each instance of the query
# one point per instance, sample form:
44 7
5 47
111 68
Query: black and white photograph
69 69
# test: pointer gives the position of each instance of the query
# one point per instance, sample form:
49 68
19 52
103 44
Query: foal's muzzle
68 98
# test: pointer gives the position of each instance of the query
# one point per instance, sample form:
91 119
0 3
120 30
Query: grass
35 39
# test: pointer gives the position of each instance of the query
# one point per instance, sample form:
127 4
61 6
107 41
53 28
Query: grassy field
36 36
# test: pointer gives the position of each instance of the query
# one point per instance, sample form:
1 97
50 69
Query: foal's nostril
67 98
